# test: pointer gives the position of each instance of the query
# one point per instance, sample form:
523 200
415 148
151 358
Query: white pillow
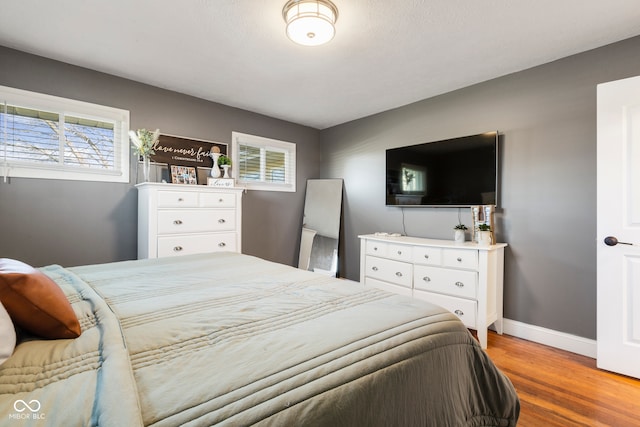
7 335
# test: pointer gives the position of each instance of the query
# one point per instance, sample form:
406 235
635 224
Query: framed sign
183 174
177 150
221 182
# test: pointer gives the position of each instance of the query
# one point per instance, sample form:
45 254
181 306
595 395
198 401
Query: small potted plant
225 163
459 233
484 234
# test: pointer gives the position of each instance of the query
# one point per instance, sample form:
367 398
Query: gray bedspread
234 340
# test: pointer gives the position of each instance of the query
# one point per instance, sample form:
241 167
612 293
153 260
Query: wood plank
563 389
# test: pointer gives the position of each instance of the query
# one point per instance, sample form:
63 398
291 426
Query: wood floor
558 388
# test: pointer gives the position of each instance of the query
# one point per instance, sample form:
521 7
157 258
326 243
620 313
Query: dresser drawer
460 258
197 243
376 248
427 255
385 286
219 200
389 250
399 252
388 270
177 221
177 199
463 308
448 281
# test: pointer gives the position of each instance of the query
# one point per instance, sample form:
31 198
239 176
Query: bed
235 340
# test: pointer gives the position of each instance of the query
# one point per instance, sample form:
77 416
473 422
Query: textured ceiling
385 54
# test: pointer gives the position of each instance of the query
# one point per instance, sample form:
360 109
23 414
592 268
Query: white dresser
176 219
464 278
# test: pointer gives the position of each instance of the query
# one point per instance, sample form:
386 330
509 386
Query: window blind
263 163
41 137
46 137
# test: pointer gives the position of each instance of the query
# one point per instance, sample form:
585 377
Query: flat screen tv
455 172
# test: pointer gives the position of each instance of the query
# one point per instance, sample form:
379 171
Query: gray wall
74 223
547 215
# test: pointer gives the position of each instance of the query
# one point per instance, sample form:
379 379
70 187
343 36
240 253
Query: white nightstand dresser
176 219
464 278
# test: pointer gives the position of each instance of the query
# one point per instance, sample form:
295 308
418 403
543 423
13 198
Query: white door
619 219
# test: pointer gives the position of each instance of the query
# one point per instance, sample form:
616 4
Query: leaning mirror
321 226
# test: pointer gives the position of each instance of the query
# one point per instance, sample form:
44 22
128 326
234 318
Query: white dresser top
419 241
185 187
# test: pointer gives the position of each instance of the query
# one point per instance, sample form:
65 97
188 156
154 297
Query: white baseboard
561 340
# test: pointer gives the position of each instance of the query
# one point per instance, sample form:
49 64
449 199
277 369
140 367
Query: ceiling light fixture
310 22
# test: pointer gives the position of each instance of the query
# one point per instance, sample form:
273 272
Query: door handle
612 241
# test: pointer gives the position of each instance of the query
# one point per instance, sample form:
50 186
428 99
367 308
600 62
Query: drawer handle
398 274
220 200
222 244
426 278
399 252
374 268
180 199
177 222
459 312
375 248
221 221
459 259
426 256
177 248
460 284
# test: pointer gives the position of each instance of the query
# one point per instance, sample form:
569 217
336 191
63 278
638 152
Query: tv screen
453 172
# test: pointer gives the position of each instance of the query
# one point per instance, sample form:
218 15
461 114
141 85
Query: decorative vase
226 171
215 169
484 238
146 168
458 237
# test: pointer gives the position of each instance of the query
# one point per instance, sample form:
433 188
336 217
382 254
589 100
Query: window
43 136
263 163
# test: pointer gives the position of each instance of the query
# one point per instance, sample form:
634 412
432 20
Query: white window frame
68 107
273 145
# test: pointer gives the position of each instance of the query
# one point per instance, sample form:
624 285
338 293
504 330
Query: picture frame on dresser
183 174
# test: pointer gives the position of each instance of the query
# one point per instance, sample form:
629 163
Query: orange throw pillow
36 303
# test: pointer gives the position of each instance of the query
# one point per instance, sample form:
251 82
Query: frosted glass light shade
310 22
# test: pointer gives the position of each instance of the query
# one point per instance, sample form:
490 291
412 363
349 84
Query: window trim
69 107
262 142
